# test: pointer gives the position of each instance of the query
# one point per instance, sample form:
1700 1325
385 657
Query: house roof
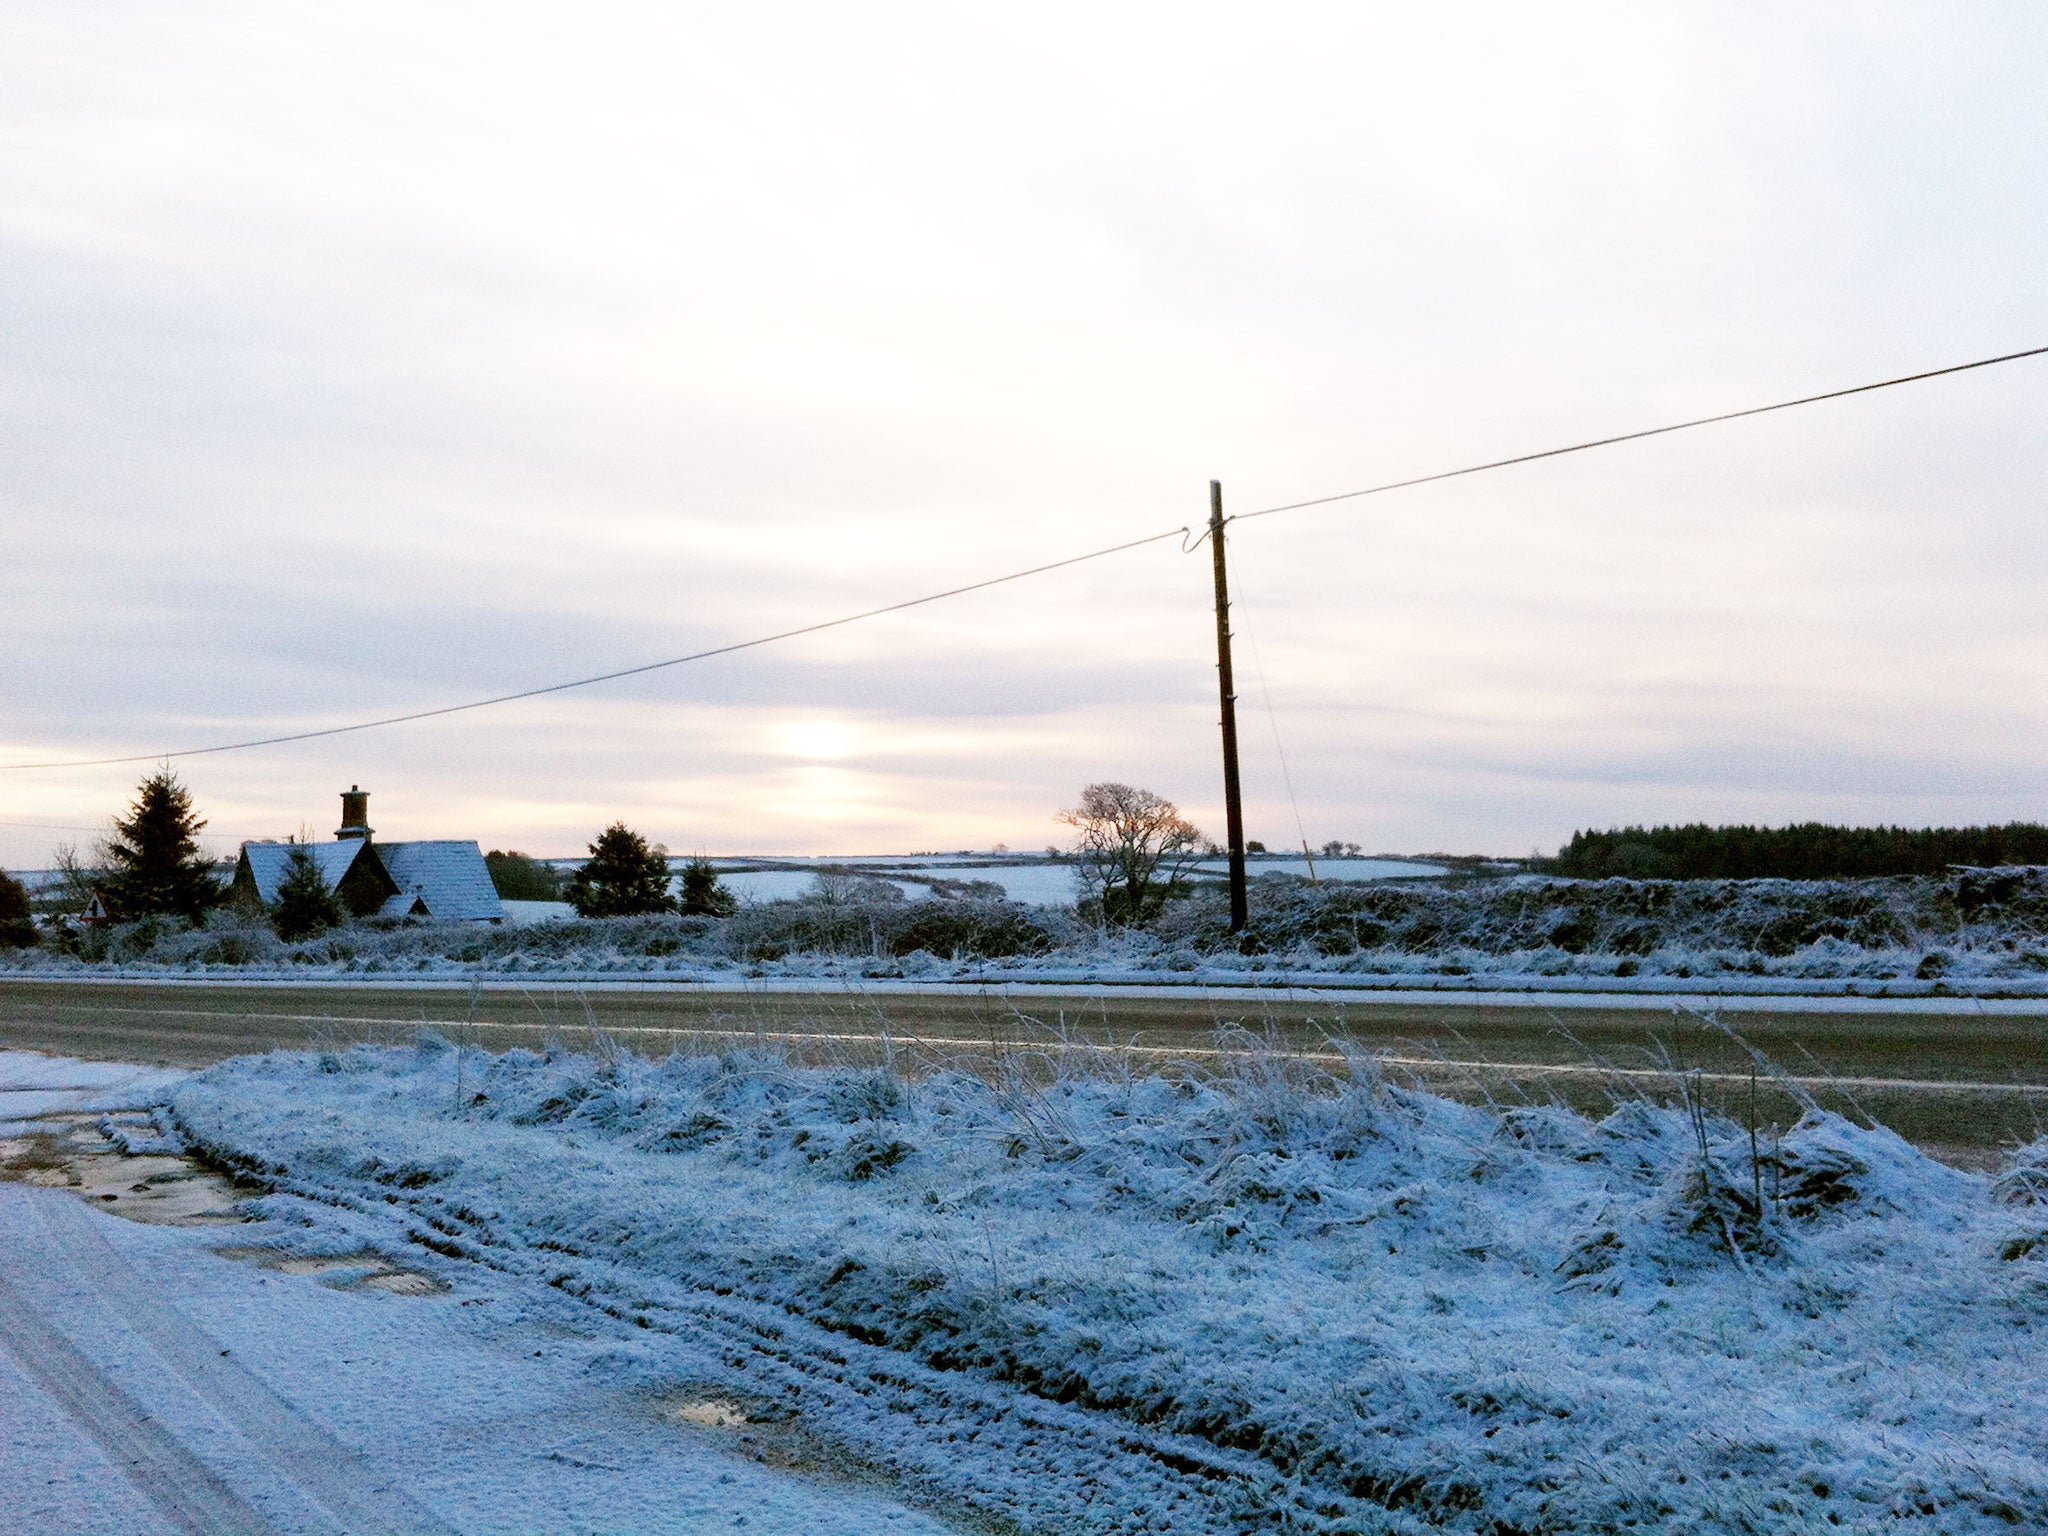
440 878
269 861
449 875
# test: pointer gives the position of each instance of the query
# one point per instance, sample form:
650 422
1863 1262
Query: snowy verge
1265 1301
1973 931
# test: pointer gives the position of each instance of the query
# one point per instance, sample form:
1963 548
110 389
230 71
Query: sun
815 740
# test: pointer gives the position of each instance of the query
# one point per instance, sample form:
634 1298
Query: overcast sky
367 358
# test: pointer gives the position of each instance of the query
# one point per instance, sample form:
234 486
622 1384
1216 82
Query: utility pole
1233 805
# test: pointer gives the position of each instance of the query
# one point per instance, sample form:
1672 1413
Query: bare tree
79 875
1132 846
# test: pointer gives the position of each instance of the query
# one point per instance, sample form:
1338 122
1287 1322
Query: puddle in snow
363 1269
766 1431
69 1151
73 1153
711 1412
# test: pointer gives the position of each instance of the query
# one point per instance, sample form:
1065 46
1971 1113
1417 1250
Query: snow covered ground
1341 868
150 1386
33 1085
1085 1299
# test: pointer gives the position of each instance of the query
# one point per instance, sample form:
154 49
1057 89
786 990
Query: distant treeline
1809 851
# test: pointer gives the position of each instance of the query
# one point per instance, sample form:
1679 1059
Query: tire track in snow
178 1484
356 1497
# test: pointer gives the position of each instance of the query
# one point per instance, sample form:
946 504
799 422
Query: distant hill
1809 851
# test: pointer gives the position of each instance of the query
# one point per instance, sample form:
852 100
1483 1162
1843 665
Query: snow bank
1091 1300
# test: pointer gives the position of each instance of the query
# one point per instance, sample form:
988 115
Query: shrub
702 895
960 929
305 906
17 928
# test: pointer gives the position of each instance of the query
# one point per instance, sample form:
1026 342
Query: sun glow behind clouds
367 361
818 740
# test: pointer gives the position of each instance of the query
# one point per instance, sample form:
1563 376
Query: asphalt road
1964 1078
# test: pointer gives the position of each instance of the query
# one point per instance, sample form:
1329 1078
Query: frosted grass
1080 1297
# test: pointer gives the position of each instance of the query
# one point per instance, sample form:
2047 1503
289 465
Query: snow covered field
1034 884
1086 1299
786 884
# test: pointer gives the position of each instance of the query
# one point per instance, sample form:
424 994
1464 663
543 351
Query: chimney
355 815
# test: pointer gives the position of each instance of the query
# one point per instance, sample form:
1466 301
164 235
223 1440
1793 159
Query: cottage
444 877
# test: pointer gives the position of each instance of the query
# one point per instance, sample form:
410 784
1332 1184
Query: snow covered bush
1080 1298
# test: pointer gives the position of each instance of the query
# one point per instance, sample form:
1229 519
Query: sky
367 359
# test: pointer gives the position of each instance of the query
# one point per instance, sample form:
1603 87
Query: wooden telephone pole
1233 805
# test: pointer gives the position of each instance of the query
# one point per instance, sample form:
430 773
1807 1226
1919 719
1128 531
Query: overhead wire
606 677
1183 533
1630 437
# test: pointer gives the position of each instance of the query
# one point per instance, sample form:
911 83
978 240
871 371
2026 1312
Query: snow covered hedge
1988 924
1092 1300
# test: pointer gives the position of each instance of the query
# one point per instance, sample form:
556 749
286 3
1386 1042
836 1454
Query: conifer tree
623 878
703 896
154 853
17 928
305 906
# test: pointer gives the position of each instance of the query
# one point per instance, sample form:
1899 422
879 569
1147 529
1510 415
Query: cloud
371 360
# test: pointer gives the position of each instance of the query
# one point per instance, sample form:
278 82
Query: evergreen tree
702 895
623 878
157 865
17 928
305 906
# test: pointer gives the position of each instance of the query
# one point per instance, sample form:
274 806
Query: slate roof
439 878
449 875
267 862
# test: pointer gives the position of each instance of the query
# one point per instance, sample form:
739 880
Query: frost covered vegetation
1262 1301
1808 851
1974 925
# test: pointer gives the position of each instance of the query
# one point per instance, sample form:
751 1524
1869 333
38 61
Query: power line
996 581
606 677
1630 437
